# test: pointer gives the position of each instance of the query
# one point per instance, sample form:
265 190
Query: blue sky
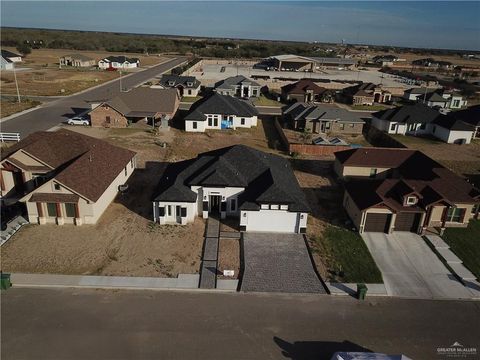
446 24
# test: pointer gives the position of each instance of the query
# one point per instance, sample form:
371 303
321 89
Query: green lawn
409 140
264 101
190 99
369 107
465 243
350 259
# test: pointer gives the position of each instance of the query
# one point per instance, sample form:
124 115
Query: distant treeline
132 43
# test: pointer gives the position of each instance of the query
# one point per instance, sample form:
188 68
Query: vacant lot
39 73
462 159
124 241
11 107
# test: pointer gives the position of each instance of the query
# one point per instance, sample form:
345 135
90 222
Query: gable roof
180 80
230 82
470 115
220 104
411 113
301 87
411 169
8 54
82 163
322 112
435 97
267 178
78 57
144 101
451 123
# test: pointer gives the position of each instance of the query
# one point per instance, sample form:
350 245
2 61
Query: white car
77 120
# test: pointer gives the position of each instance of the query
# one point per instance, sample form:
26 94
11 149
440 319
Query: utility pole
16 82
120 72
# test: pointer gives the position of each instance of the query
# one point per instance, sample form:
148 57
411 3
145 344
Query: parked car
78 120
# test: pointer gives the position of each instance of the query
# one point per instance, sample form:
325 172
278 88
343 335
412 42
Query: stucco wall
348 128
353 171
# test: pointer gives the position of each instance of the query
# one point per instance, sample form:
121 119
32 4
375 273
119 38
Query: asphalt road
55 112
107 324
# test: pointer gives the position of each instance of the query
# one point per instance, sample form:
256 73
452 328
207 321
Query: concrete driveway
411 269
277 262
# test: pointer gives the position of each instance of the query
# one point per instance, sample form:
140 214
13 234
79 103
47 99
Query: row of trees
132 43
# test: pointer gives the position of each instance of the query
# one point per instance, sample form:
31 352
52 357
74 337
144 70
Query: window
126 173
411 200
194 125
107 119
283 207
352 125
233 204
327 125
423 126
189 92
264 206
242 121
456 103
342 126
254 92
215 121
373 172
169 210
189 84
210 120
393 127
178 210
274 207
57 186
70 210
52 209
455 214
131 163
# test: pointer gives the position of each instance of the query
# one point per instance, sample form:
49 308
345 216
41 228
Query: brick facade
105 116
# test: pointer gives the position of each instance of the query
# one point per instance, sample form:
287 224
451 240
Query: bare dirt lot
124 241
11 107
39 73
228 257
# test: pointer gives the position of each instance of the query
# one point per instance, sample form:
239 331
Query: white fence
9 137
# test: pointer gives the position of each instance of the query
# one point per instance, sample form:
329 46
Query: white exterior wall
174 218
116 65
273 221
449 136
249 122
201 126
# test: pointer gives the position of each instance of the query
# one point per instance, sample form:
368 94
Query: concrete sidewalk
351 289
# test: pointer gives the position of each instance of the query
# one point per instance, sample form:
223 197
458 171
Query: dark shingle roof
322 112
121 59
79 57
451 123
220 104
267 178
435 97
415 113
470 115
82 163
180 80
8 54
301 87
232 81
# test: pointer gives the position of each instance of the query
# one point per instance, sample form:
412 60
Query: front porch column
78 220
205 209
41 215
223 209
60 219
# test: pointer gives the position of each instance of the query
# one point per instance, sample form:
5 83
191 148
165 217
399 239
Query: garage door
407 222
272 221
377 222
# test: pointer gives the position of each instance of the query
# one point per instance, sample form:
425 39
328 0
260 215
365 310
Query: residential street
54 112
101 324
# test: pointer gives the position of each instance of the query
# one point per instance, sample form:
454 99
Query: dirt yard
228 257
124 241
39 73
11 107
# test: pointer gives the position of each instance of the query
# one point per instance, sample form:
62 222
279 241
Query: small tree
24 49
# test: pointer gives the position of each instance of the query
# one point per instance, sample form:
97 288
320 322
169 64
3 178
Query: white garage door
273 221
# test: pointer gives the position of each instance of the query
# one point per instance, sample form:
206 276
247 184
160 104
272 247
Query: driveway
278 263
411 269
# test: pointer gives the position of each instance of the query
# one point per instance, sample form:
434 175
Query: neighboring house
238 86
323 119
220 112
77 60
118 62
139 104
306 90
385 60
187 86
390 190
6 64
436 98
15 58
64 177
432 63
257 188
419 119
470 116
367 94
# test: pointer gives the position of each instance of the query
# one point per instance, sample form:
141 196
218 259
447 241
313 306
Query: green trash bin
361 291
5 281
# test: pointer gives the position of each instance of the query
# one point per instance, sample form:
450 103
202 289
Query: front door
178 212
215 204
18 181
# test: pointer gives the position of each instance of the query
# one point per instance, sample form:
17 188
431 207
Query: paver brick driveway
411 269
278 263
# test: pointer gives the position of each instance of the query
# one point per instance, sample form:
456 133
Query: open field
39 73
465 243
454 59
124 241
11 107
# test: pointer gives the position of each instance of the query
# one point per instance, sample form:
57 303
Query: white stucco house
420 119
436 98
219 112
238 86
257 188
118 62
